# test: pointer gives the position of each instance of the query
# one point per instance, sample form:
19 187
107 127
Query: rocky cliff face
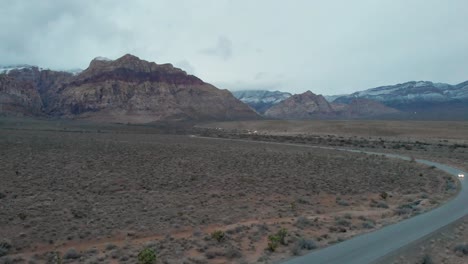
131 90
18 97
46 82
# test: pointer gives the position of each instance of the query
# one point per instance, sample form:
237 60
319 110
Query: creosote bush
218 235
276 239
282 233
384 195
147 256
273 242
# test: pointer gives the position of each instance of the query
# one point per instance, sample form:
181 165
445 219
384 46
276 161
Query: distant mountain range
419 100
131 90
311 106
410 100
261 100
126 90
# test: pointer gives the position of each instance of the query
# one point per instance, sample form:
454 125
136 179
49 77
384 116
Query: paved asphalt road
370 247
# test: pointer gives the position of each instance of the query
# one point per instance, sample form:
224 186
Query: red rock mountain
301 106
311 106
135 91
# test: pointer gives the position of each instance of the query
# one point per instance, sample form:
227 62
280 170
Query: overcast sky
328 46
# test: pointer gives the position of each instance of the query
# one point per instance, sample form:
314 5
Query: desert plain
213 193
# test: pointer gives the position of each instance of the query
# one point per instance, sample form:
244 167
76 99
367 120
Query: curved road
372 247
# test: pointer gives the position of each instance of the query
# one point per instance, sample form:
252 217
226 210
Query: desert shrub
22 216
293 206
263 228
343 222
307 244
302 222
78 214
301 244
110 246
450 185
92 251
296 249
347 216
3 251
382 205
403 211
2 195
461 248
147 256
273 242
232 253
427 260
282 233
342 203
368 225
363 218
218 235
54 257
116 254
384 195
72 254
211 254
5 246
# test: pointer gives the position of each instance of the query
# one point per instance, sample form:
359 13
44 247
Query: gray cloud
328 47
260 75
223 48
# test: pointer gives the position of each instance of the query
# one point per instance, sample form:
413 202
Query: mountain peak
308 93
301 106
129 57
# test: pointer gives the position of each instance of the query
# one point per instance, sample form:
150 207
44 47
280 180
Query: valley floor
100 194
